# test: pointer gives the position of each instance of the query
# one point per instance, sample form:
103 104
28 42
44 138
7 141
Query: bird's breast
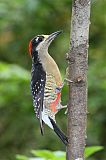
50 67
51 97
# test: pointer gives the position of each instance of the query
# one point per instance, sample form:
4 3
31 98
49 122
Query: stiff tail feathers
42 128
40 118
60 134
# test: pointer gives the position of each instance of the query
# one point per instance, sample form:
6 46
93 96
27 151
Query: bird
46 83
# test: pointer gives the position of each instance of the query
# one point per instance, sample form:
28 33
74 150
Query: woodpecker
46 83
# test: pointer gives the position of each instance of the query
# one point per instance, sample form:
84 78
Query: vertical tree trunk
78 64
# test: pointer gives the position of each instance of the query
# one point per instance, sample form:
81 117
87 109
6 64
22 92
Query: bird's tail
60 134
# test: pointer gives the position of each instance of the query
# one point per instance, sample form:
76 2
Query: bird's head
41 42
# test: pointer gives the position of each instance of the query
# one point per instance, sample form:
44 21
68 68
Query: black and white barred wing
37 87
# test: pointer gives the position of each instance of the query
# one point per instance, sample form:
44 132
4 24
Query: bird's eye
40 39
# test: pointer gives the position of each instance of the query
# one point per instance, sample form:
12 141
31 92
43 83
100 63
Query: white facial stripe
37 39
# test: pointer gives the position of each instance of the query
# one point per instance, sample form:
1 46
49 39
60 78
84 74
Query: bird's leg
65 106
59 88
66 79
62 107
66 111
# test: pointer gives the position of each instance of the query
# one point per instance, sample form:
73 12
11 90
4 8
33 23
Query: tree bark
78 65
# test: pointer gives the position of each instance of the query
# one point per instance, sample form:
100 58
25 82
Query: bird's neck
35 58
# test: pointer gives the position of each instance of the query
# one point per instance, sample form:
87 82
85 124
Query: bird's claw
66 111
68 80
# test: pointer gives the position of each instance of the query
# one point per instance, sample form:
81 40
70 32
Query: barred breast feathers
50 88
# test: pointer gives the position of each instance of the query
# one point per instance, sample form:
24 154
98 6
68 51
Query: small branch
78 65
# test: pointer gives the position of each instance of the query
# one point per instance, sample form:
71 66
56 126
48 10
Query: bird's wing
37 87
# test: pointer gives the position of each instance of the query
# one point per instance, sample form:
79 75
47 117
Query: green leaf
91 150
43 153
59 155
12 71
49 155
21 157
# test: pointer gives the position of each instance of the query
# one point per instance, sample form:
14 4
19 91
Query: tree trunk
78 65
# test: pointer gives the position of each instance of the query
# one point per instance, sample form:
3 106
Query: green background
20 21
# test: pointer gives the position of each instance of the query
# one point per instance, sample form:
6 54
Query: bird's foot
68 80
63 106
66 111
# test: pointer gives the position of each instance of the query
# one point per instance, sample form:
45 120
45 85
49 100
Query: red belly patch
55 103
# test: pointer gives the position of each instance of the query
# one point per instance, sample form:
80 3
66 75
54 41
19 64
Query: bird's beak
51 37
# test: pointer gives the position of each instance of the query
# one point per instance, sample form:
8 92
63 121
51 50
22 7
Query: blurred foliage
21 20
57 155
